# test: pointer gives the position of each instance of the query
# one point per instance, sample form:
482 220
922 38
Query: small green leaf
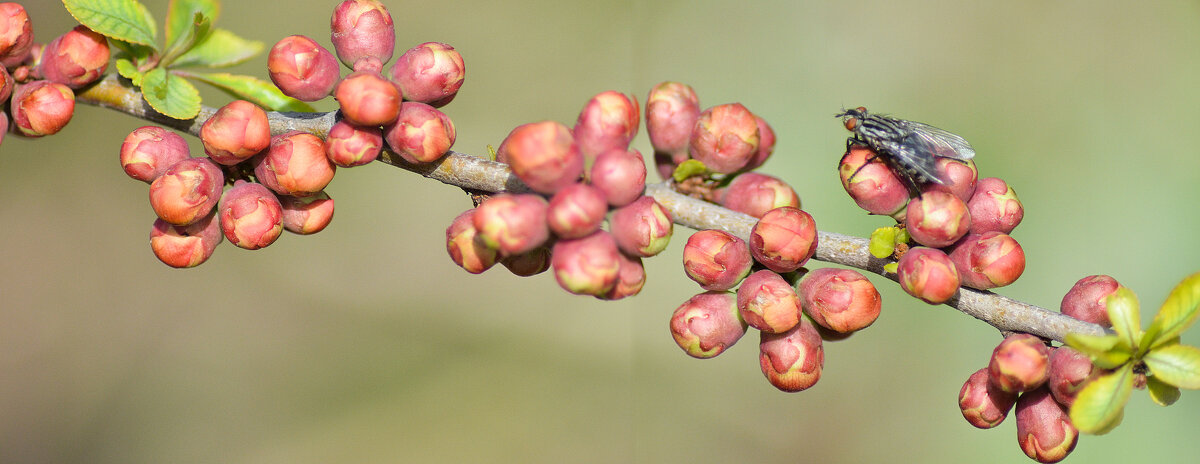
129 71
181 16
222 48
170 95
1178 365
902 236
1125 317
1161 392
1100 405
125 20
689 168
137 53
891 267
255 90
1178 313
883 242
200 29
1106 351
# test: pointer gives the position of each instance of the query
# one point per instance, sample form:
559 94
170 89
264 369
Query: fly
910 148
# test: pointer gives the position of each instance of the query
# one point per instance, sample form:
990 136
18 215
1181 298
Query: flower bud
928 274
467 252
16 34
784 239
768 303
42 108
367 99
871 184
792 360
251 216
302 68
707 324
294 165
841 300
1044 430
75 59
994 206
306 215
988 260
529 263
716 259
3 125
362 28
185 246
149 151
959 177
642 228
236 132
543 155
348 145
1070 370
766 144
421 133
937 219
672 109
609 120
429 73
187 191
1087 299
630 278
512 223
7 83
725 138
982 404
586 266
1020 363
620 174
576 211
755 194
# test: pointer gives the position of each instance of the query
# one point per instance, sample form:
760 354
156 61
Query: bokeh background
364 343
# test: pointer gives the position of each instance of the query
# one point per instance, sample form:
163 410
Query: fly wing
938 142
917 165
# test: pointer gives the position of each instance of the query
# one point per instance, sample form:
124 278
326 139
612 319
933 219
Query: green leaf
689 168
198 32
1161 392
1178 313
255 90
1106 351
902 236
125 20
129 71
137 53
1100 405
1125 317
222 48
891 268
1178 365
181 18
883 242
170 95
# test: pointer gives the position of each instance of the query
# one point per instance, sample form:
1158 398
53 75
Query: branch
473 173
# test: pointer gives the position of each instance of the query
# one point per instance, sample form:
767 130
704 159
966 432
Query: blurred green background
364 343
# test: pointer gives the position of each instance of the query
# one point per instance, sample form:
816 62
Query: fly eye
850 123
862 109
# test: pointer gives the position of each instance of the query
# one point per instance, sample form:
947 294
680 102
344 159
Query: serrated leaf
883 242
125 20
138 53
1100 405
129 71
1125 316
1106 351
689 168
1178 365
222 48
252 89
181 16
170 95
200 29
1177 313
1161 393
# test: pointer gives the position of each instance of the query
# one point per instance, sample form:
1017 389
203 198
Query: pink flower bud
306 215
707 324
421 134
630 278
75 59
185 246
187 191
609 120
671 113
841 300
362 28
576 211
1070 370
587 266
620 174
960 178
725 138
784 239
467 252
871 184
529 263
642 228
294 165
768 303
1020 363
302 68
42 108
367 99
994 206
1086 300
792 360
512 223
982 404
236 132
766 144
988 260
251 216
937 219
149 151
543 155
716 259
7 84
16 34
348 145
1044 430
928 274
755 194
429 73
